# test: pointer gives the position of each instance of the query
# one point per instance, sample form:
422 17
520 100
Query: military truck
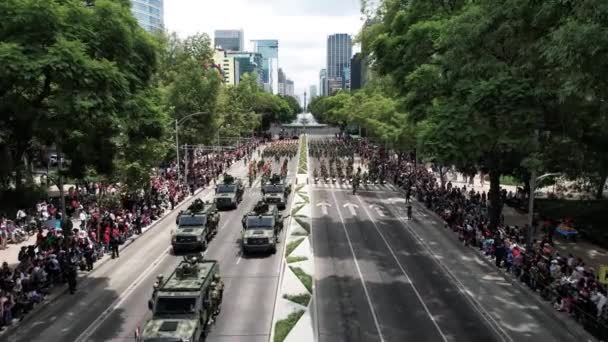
196 227
185 305
261 229
276 191
229 193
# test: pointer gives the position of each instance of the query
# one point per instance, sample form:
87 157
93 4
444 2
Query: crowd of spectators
62 248
563 280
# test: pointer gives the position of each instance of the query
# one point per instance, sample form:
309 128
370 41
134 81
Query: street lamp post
177 123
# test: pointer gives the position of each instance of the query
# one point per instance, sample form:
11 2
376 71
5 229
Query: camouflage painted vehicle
276 191
186 304
229 193
261 229
196 227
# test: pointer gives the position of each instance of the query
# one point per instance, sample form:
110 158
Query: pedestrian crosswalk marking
389 187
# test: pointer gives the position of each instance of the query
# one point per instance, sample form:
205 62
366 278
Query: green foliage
293 245
304 277
69 73
302 298
476 80
284 326
303 223
291 260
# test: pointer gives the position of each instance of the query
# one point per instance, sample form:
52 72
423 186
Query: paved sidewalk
11 253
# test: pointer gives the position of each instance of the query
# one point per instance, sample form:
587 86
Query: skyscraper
149 14
229 40
323 82
289 88
312 91
339 52
227 67
281 78
269 49
247 63
356 79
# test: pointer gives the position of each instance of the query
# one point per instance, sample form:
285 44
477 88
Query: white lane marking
428 312
351 207
352 250
324 206
238 260
120 300
477 306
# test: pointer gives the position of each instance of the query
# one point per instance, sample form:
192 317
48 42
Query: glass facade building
229 40
149 14
247 63
339 52
269 49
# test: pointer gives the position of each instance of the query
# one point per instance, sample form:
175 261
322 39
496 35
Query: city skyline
302 53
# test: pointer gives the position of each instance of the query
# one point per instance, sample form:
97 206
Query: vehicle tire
204 245
273 250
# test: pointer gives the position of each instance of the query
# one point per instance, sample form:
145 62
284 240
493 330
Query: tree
195 89
69 72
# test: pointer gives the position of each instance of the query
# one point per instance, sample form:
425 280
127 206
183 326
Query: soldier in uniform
217 293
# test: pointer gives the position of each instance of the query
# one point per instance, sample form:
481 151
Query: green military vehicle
229 193
261 229
186 304
196 227
276 191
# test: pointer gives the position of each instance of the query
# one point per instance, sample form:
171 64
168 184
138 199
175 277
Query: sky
301 26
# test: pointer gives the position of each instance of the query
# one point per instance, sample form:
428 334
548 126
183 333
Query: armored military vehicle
276 191
186 304
196 227
229 193
261 228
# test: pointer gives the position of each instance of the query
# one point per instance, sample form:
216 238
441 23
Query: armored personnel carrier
229 193
261 228
185 305
276 191
195 227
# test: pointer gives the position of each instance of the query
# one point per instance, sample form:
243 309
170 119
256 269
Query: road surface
112 302
380 277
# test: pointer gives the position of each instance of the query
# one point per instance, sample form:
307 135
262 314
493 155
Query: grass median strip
304 277
293 245
296 209
292 259
284 326
302 298
303 223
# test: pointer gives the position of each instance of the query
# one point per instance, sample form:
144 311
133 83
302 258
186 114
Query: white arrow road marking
378 209
324 206
396 200
351 207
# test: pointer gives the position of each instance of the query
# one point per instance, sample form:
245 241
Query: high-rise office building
229 40
323 82
269 49
355 72
149 14
312 91
247 63
281 78
339 52
289 88
227 67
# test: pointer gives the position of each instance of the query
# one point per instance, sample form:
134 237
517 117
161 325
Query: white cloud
301 26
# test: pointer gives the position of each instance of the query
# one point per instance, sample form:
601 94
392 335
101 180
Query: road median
292 321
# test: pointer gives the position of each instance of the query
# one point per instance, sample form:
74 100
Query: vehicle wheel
274 249
204 246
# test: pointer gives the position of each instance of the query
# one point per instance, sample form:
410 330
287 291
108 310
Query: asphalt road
111 302
380 277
